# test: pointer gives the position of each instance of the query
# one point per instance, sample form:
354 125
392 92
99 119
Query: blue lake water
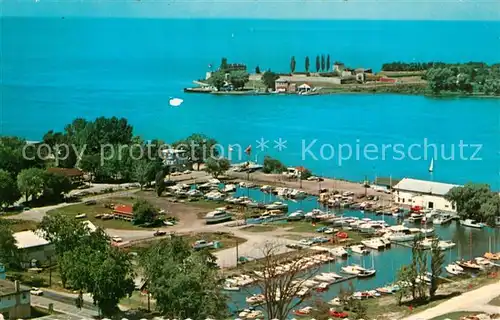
54 70
470 243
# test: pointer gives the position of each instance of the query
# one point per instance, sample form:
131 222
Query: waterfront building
15 300
33 248
283 86
73 174
426 194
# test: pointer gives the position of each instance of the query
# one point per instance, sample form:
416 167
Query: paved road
475 300
62 307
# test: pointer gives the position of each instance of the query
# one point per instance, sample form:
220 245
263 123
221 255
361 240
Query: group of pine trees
323 64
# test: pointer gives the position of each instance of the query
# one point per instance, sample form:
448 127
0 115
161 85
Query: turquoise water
470 243
57 69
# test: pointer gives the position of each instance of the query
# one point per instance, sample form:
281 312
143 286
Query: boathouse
426 194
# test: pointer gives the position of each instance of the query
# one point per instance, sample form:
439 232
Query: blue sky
273 9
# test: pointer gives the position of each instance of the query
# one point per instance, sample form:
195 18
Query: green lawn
227 241
495 301
18 225
301 226
92 210
40 280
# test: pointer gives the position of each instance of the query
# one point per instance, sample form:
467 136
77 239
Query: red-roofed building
123 211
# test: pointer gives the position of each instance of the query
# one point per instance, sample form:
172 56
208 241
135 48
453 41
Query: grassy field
495 302
19 225
40 280
92 210
226 240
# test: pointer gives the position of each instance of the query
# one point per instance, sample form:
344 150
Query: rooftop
123 208
68 172
423 186
9 287
29 239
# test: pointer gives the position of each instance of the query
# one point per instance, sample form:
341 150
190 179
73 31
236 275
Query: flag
248 150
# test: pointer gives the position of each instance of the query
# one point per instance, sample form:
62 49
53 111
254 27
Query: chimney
16 286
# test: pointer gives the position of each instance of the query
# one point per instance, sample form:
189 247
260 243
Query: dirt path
475 300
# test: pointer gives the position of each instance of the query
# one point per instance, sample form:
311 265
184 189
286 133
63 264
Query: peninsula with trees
322 75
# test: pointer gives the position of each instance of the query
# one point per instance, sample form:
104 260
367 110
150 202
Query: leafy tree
217 79
257 70
304 174
142 171
328 64
144 212
269 79
490 209
12 159
306 63
159 183
318 64
66 156
112 279
419 260
292 65
9 254
9 193
471 199
56 185
90 163
406 280
239 78
184 283
437 260
322 62
31 182
273 165
216 167
105 273
198 147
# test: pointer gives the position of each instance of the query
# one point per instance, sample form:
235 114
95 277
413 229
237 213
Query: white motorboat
339 252
374 243
359 249
471 223
266 188
358 271
443 218
296 215
256 299
303 291
484 263
229 287
217 216
229 188
454 269
401 236
446 244
277 206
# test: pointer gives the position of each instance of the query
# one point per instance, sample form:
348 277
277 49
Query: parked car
36 291
116 239
306 242
159 233
200 244
90 202
321 229
319 240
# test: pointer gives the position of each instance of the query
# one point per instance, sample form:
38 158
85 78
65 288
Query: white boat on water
374 243
401 236
277 206
443 218
454 269
446 244
229 188
484 263
339 252
327 277
255 299
359 249
471 223
358 271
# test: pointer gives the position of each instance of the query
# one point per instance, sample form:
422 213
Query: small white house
426 194
33 247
